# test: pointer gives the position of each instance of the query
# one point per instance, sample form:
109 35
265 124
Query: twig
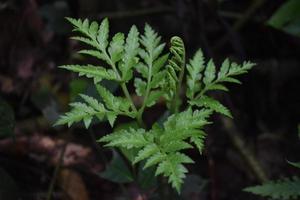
239 144
55 173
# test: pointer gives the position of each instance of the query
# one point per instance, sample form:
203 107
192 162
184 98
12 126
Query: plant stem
55 174
125 90
140 112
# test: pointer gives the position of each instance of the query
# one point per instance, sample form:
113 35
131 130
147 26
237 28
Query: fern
202 79
281 189
162 146
175 73
159 75
149 85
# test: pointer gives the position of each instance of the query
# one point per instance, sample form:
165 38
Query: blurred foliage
287 18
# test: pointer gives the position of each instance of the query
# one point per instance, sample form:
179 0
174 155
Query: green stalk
125 90
148 89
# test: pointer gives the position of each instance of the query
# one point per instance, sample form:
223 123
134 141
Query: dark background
34 40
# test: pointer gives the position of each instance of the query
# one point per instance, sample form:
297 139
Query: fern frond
83 112
227 72
119 105
126 138
201 79
175 67
116 47
194 68
150 68
281 189
208 102
102 34
159 76
162 146
131 50
90 71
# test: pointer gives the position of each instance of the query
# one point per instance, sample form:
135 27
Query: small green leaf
210 72
159 63
211 103
111 117
146 152
94 53
194 68
103 32
153 97
154 159
140 86
116 47
130 52
96 72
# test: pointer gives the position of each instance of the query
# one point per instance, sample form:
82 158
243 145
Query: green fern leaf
146 152
194 68
85 40
140 86
155 159
93 53
111 117
159 63
150 69
142 69
117 104
210 73
211 103
153 97
92 102
81 111
130 52
281 189
199 141
116 47
127 138
103 34
175 67
175 146
157 79
96 72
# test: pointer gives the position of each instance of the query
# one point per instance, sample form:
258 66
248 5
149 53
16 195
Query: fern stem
141 110
124 88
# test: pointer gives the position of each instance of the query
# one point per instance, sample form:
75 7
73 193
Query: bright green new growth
160 76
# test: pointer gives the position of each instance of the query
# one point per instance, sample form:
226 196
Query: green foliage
287 18
160 75
152 74
281 189
162 146
175 67
202 79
